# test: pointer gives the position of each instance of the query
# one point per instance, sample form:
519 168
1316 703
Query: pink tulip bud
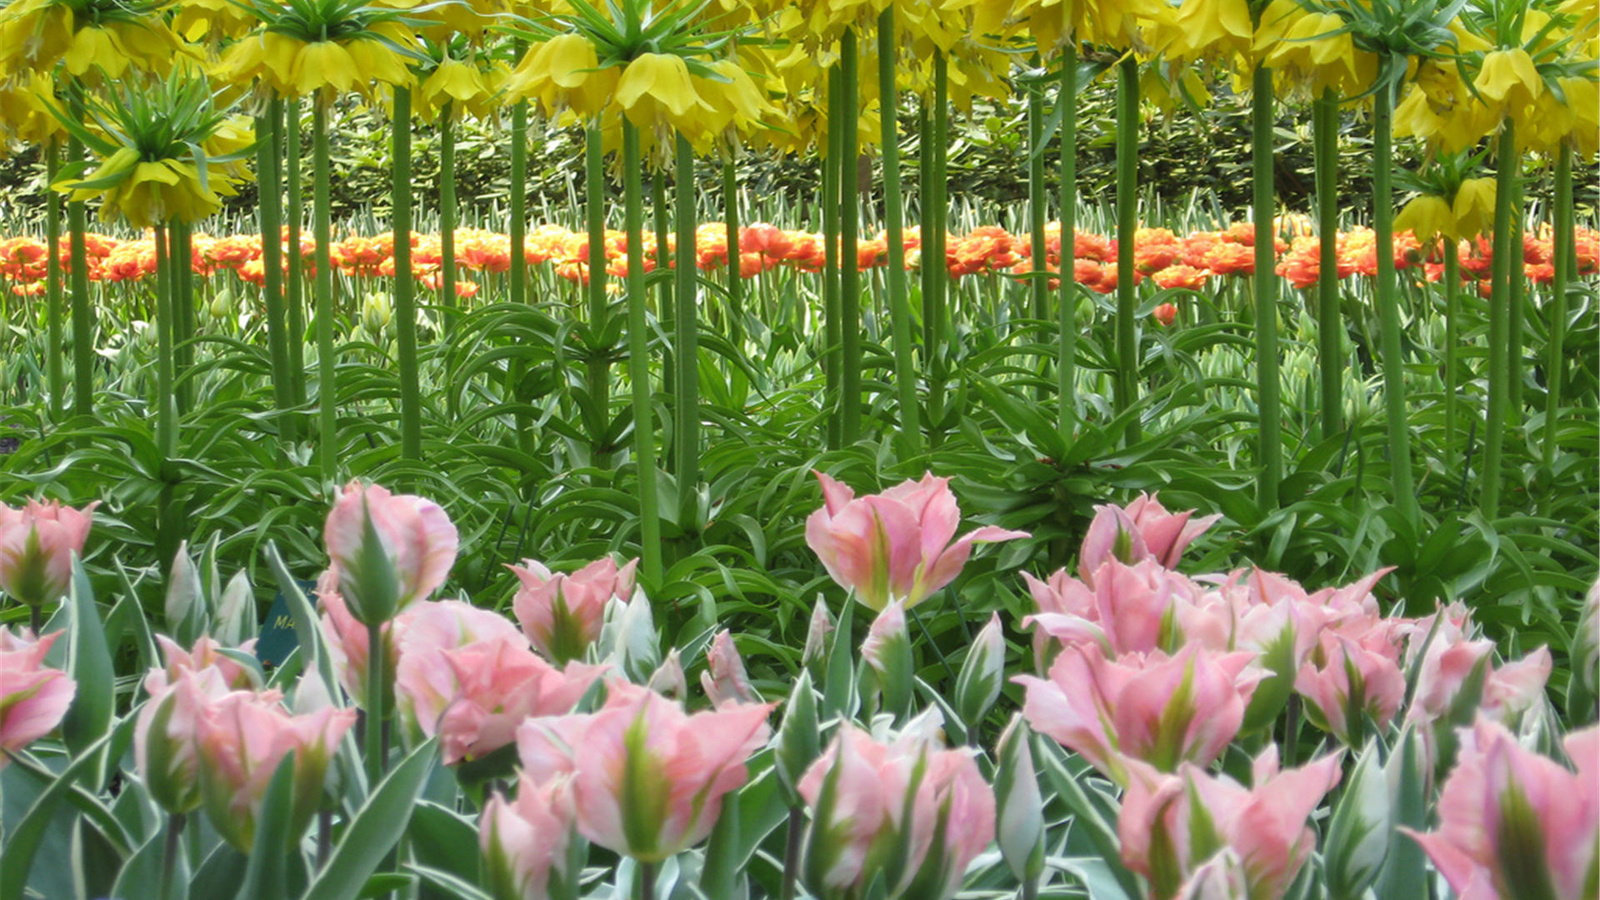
390 550
725 680
1515 824
241 738
887 651
1151 707
1515 687
858 793
816 648
1353 682
1172 825
668 679
678 767
897 545
164 746
982 673
206 654
562 614
525 841
33 699
37 544
1141 530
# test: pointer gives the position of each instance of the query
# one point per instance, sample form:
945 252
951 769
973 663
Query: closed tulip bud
236 614
185 602
1583 689
37 544
725 680
668 679
636 649
389 550
164 746
799 737
562 614
1358 835
982 673
33 698
887 650
816 649
526 841
1019 806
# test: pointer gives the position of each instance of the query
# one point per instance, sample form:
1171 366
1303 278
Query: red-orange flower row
1159 254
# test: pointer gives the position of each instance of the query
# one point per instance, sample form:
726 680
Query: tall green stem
78 284
1127 381
1067 300
1452 339
936 275
905 375
1562 261
686 339
833 332
447 216
1494 434
730 214
322 234
598 367
377 706
1038 287
294 294
183 312
849 235
269 194
1330 324
644 448
1268 386
519 261
165 407
666 313
57 376
1517 306
1388 301
405 283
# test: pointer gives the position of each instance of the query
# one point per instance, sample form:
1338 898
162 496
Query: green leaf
274 842
89 663
449 883
839 694
375 829
17 856
306 625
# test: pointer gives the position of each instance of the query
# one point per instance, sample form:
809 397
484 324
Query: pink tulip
524 841
897 545
389 550
37 543
1172 825
206 654
241 738
857 791
1515 824
1515 687
164 747
1141 530
648 779
33 699
561 614
725 680
1151 707
1351 683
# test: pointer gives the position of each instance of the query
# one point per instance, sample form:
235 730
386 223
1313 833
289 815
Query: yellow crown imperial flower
656 90
1473 208
564 73
1508 81
1426 217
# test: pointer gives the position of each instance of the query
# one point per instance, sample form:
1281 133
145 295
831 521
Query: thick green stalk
1517 305
1067 349
1038 288
294 290
183 312
833 332
598 367
78 284
1127 355
644 448
377 707
666 313
1388 301
1562 260
905 374
57 376
165 407
1494 433
322 233
1452 339
1269 411
1330 324
405 284
519 262
849 235
935 215
686 339
269 193
730 214
447 216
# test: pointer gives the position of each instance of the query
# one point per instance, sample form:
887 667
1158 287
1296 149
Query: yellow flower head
1426 217
1508 81
564 73
1473 208
656 90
